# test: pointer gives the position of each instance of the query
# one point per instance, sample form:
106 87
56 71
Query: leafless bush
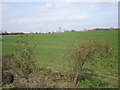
82 53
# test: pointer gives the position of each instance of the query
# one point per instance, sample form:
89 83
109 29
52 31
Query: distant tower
40 31
59 29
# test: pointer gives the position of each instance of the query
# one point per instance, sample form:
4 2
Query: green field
52 51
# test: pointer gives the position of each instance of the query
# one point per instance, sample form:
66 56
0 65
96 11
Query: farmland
52 52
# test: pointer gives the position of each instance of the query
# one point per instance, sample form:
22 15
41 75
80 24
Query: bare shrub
82 53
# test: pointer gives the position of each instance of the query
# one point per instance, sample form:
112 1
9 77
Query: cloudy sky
49 16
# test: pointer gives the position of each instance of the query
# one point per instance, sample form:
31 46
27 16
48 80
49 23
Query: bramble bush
24 56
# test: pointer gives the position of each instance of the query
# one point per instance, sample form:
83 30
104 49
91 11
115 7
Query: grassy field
52 51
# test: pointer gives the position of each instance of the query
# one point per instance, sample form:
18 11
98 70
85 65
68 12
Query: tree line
6 33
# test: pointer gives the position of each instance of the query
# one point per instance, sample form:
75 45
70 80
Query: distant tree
73 31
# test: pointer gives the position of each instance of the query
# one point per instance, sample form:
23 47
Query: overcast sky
47 16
